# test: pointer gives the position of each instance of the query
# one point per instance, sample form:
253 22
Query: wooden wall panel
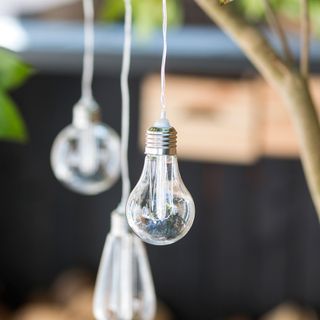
215 119
219 120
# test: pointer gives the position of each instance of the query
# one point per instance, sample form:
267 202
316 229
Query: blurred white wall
16 7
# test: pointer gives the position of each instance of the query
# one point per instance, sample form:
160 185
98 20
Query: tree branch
275 24
305 39
291 86
250 40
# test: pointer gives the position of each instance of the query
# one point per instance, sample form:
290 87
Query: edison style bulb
160 210
124 287
85 155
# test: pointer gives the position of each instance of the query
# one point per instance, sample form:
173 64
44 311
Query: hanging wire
88 57
164 59
125 123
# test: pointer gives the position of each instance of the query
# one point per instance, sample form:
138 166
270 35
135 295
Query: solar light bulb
160 210
124 288
85 155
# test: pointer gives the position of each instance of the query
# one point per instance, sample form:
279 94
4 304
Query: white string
164 59
88 56
125 121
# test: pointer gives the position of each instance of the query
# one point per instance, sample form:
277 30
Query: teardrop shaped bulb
124 288
160 209
85 155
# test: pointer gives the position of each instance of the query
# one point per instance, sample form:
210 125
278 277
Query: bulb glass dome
160 210
85 155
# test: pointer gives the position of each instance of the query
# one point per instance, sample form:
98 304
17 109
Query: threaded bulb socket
161 141
85 113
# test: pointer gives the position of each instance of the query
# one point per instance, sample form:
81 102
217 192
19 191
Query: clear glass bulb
160 210
124 288
85 155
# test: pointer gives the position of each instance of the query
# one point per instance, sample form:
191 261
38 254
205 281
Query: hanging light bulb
85 155
160 209
124 288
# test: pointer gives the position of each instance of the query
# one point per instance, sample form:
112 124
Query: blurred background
255 243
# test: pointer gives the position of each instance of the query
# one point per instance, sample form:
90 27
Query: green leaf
112 10
12 127
254 10
13 71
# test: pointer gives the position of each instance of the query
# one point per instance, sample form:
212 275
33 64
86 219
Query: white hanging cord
125 121
88 56
164 59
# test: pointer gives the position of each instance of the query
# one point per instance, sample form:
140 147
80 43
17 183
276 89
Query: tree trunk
290 85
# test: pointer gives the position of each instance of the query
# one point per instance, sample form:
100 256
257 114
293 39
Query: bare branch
275 24
249 38
305 39
285 80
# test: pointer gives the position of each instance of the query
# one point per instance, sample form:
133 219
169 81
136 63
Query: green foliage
315 14
12 74
254 10
12 71
11 124
147 15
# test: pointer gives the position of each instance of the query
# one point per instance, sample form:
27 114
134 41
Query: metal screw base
161 141
85 113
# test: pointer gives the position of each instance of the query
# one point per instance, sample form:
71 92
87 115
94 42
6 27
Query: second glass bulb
85 154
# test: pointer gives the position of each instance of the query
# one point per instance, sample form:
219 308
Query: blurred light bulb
124 288
85 155
160 210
